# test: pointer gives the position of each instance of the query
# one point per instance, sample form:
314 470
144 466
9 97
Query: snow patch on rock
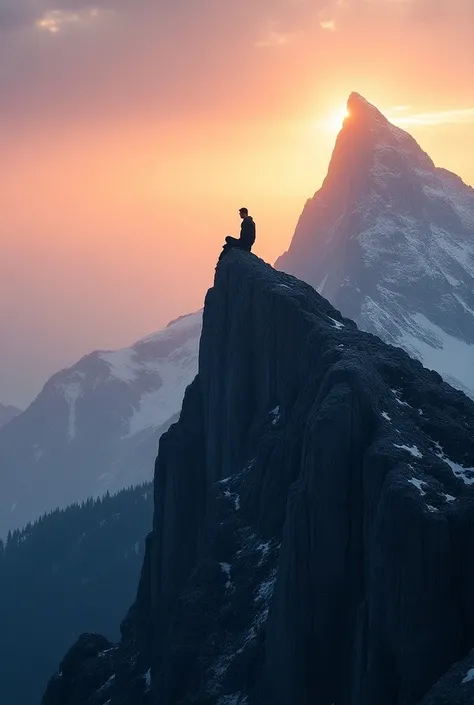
469 676
276 415
226 568
72 392
418 484
410 449
461 472
336 324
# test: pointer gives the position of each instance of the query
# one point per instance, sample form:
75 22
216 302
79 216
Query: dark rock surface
87 666
456 687
314 518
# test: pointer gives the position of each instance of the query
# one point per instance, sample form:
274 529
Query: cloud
137 57
275 39
54 14
463 116
15 14
329 25
430 12
161 58
335 13
55 20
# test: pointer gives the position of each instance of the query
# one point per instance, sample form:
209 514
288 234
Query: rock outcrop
314 520
89 665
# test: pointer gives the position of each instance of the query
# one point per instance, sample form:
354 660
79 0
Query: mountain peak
359 108
388 239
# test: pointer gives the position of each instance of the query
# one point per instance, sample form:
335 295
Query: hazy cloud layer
112 57
152 54
405 117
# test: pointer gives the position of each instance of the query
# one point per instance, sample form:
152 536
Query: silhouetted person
247 235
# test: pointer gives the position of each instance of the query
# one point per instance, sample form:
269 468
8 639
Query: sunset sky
131 131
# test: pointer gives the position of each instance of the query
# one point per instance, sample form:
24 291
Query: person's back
247 235
247 230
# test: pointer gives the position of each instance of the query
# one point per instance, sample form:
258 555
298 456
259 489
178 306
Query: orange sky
131 132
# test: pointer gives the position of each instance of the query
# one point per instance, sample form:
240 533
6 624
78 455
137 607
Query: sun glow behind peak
335 120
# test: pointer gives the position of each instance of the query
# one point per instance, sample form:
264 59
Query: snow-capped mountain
7 413
95 426
389 240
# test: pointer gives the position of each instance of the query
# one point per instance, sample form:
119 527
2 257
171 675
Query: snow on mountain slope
95 426
7 413
389 240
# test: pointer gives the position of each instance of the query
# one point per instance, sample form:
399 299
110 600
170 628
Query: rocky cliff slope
314 522
389 240
95 426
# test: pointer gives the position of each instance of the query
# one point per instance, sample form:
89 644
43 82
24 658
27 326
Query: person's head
243 212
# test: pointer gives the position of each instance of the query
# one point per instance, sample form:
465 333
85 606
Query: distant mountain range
95 427
7 413
389 240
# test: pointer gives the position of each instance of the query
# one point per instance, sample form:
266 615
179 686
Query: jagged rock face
314 516
89 665
7 413
95 426
389 240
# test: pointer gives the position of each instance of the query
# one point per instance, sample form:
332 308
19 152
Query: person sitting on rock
247 235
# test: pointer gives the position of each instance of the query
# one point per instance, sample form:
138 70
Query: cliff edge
314 522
